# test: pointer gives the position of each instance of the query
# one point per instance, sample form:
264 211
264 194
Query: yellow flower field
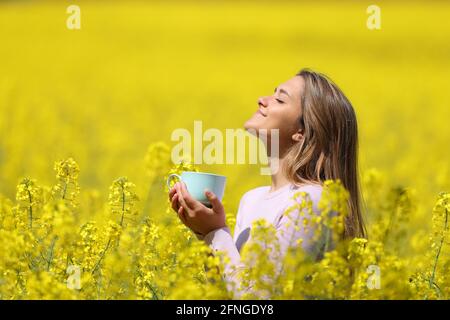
86 118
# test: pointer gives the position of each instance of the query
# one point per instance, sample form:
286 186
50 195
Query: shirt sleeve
221 240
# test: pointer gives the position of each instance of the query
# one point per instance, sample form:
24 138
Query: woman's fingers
175 205
191 202
181 198
215 202
172 191
181 215
186 200
177 208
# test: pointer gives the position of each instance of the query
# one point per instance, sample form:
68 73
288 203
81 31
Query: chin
252 129
250 125
255 124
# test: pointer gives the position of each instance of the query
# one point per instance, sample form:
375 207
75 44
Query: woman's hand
193 213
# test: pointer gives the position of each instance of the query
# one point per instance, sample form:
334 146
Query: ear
298 136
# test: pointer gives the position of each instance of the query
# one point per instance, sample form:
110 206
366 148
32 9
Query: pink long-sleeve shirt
260 203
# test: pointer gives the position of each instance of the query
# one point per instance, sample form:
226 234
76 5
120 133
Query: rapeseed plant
44 239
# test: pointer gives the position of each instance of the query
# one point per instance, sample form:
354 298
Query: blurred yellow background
138 70
110 94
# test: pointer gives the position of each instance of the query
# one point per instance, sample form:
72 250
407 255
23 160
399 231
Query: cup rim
205 173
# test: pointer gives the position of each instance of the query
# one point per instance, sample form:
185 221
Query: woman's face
281 110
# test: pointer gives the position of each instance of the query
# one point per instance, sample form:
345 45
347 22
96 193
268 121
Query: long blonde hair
329 148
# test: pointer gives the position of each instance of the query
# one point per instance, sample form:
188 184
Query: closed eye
279 101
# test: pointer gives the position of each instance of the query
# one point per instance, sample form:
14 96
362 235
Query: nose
262 102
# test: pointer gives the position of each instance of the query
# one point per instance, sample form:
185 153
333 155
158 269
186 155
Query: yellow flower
122 199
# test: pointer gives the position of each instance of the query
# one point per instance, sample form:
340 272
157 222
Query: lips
261 113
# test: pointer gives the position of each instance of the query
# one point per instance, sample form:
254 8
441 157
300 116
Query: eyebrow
282 91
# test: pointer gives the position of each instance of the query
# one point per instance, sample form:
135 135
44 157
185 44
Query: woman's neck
279 180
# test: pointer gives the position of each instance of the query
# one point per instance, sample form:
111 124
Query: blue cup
197 182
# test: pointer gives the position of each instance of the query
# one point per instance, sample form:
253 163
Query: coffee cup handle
170 178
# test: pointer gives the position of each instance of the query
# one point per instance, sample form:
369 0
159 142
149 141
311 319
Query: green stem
101 256
433 275
50 258
327 240
123 207
391 222
30 209
148 285
64 191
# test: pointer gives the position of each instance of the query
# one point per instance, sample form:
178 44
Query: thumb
215 202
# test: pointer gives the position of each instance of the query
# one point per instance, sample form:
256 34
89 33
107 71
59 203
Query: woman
318 140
